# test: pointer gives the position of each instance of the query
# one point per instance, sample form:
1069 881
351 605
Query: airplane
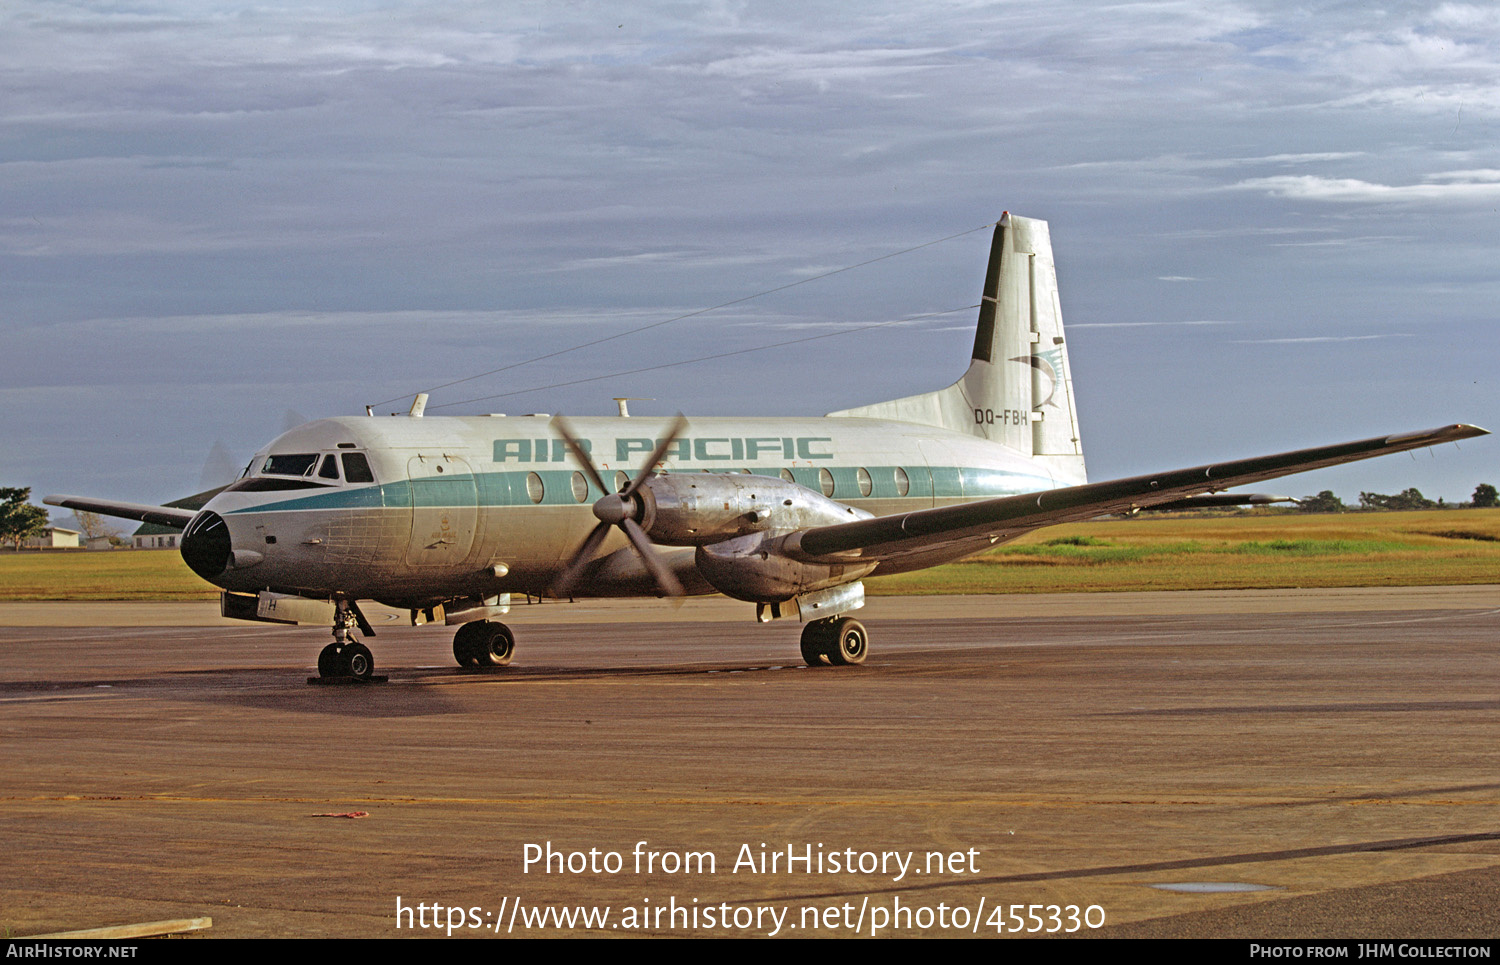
447 516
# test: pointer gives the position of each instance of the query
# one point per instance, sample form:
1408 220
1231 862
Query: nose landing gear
346 660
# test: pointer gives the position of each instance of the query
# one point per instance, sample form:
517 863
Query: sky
1275 224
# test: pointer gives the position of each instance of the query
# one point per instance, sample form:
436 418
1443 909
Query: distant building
154 536
53 538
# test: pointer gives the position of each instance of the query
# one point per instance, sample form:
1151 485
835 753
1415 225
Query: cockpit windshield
308 470
357 468
300 464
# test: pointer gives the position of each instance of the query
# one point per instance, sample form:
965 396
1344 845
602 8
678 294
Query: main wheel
467 644
816 640
495 645
483 644
849 642
329 664
358 661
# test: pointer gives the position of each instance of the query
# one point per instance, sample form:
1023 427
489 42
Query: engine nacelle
757 569
697 509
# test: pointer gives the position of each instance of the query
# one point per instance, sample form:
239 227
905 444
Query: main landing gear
483 643
839 641
345 658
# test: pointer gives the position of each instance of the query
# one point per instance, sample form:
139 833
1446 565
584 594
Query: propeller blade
562 428
665 581
582 558
678 427
617 510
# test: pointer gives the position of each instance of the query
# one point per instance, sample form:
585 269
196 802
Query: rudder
1018 390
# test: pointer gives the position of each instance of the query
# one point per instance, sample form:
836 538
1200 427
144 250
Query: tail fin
1018 390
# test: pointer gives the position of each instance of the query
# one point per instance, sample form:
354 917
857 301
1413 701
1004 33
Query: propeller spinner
624 509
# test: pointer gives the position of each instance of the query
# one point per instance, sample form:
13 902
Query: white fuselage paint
455 499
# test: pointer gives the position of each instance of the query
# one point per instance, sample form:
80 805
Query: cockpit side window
357 468
300 464
330 468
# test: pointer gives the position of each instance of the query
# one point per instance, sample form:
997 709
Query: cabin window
357 468
825 482
622 480
787 475
580 487
300 464
903 484
862 476
330 468
534 488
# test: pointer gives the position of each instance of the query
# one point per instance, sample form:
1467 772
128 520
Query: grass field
1229 552
112 575
1148 553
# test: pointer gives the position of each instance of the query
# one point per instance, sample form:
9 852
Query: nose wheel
346 660
352 660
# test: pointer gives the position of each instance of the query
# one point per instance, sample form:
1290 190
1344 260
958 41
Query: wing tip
1432 437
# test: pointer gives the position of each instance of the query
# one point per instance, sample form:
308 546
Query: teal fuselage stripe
501 489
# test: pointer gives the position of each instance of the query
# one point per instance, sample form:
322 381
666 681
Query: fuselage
411 510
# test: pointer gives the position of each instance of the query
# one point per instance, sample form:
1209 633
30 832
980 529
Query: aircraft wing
995 520
161 515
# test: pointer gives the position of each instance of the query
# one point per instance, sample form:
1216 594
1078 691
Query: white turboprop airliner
447 516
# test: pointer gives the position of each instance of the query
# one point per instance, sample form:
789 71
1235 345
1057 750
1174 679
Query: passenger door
444 509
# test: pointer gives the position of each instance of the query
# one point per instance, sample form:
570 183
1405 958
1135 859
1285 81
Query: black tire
815 640
466 644
494 645
849 642
329 664
358 661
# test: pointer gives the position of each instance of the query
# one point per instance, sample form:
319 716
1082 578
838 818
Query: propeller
623 509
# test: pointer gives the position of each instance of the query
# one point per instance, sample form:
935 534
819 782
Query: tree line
19 520
1485 497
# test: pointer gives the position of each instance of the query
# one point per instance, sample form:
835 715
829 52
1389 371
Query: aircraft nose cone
205 545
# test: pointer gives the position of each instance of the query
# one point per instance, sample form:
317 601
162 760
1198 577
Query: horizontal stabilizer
161 515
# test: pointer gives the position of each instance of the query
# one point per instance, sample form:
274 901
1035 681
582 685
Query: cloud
413 190
922 320
1478 174
1356 242
367 322
1319 338
1449 186
1073 325
1468 16
1188 163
